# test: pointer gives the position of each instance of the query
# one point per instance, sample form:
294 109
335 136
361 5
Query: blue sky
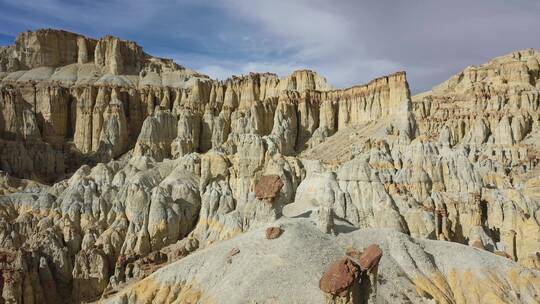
347 41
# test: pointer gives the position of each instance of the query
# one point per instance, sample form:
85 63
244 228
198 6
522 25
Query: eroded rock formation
116 164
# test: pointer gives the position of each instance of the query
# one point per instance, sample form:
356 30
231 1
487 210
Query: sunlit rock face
131 179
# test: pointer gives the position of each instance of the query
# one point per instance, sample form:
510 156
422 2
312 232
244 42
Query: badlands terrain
127 178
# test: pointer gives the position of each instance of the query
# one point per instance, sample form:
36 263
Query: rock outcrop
412 271
268 187
273 233
339 280
369 259
495 103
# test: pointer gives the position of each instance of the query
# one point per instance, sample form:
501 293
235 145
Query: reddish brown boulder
339 277
370 258
273 233
268 187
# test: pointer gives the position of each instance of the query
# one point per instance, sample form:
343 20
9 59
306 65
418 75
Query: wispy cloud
348 41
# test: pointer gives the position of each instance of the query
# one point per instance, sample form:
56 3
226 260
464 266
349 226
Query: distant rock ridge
496 102
56 48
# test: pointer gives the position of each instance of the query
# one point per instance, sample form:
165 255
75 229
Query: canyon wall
76 104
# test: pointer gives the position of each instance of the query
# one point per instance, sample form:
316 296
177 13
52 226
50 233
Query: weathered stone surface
369 259
491 103
90 275
189 132
326 220
113 139
273 233
339 277
157 134
268 187
46 48
23 152
404 258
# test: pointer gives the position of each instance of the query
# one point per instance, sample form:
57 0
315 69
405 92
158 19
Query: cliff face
495 103
255 94
154 162
54 48
73 103
45 48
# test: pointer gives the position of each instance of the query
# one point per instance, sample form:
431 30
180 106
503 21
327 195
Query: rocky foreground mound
128 178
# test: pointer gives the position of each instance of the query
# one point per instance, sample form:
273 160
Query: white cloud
321 35
348 41
352 41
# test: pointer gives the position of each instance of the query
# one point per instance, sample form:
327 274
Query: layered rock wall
46 48
493 103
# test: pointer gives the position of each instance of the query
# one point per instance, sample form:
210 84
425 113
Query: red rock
273 233
503 254
268 187
370 257
339 277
